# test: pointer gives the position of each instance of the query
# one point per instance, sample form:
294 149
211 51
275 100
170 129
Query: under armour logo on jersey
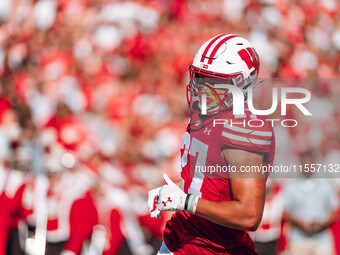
207 131
164 202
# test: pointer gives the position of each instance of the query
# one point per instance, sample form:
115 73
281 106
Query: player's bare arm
245 209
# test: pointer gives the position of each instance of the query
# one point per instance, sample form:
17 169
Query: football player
215 208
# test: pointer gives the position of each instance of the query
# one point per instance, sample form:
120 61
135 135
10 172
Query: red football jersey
202 145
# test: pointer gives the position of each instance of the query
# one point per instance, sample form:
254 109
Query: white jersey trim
235 137
244 139
248 131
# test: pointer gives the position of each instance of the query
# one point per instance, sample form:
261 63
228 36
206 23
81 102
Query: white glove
171 197
152 203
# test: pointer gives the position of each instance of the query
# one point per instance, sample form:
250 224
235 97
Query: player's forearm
233 214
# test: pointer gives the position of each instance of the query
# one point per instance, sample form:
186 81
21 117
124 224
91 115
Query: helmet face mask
236 63
213 86
212 97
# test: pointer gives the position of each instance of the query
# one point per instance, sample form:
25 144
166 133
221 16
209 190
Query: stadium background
101 84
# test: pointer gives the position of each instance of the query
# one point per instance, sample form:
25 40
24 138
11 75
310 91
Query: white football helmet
226 59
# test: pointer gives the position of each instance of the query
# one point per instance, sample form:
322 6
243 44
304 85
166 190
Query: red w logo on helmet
250 57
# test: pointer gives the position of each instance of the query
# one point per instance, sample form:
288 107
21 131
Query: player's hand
152 203
171 197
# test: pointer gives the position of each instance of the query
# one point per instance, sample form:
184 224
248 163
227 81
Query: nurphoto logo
238 101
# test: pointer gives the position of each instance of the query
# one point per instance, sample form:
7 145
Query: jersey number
196 149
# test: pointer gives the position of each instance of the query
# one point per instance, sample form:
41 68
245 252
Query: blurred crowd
93 107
